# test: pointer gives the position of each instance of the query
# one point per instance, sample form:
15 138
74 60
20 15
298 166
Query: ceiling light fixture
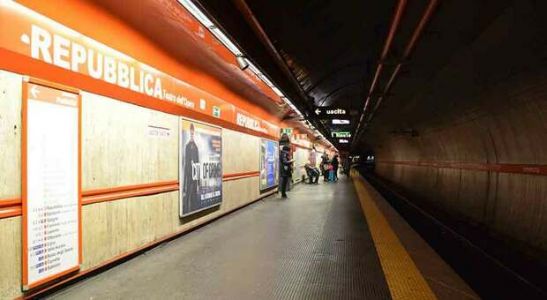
242 62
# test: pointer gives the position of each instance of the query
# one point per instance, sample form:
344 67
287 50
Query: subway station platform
317 244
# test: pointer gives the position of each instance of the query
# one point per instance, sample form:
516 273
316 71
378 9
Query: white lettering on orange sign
248 122
59 51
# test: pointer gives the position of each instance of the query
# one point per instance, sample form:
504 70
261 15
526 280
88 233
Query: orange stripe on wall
10 202
10 211
12 207
83 17
22 64
125 188
242 174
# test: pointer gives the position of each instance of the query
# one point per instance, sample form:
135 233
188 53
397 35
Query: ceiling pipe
408 50
259 31
387 45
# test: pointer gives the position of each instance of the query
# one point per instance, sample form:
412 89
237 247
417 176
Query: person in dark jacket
335 164
325 166
285 163
191 180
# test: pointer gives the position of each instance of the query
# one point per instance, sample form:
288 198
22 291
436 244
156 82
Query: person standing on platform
325 166
285 163
335 163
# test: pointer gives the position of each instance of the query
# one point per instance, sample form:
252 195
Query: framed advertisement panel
269 164
51 182
200 166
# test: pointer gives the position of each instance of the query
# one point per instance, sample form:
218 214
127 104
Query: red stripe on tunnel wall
530 169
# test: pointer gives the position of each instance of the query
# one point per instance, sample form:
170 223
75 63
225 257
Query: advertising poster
200 160
269 164
51 187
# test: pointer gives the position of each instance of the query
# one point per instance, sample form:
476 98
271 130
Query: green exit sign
341 134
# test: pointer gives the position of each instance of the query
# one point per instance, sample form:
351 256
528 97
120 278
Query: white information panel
51 193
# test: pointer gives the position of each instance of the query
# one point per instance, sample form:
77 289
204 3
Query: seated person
313 173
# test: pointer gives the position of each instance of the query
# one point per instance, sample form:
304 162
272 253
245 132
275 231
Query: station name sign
330 112
40 38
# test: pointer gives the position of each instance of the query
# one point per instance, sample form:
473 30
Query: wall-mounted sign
51 184
340 122
288 131
35 36
216 111
341 134
200 163
343 141
158 131
330 112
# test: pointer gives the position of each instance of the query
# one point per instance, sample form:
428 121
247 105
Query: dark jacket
190 185
285 164
335 162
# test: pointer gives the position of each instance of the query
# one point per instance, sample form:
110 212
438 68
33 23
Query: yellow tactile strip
403 277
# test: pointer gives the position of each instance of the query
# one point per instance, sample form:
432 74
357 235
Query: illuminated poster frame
263 168
44 260
184 186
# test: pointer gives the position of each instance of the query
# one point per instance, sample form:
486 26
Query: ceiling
326 53
332 49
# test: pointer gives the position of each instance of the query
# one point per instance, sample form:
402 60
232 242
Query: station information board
51 184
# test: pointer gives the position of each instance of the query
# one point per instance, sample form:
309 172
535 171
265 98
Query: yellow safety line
403 278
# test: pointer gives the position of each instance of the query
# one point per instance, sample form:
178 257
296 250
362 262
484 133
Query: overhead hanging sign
326 112
200 165
51 184
341 134
340 122
45 40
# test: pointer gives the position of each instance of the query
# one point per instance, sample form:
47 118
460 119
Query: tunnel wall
480 153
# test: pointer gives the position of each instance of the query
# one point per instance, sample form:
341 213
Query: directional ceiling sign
328 112
340 122
341 134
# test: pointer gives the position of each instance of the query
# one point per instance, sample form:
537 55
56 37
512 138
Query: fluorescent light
340 122
278 92
225 41
196 12
242 62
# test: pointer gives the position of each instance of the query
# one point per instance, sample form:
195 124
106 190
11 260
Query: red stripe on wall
10 202
242 175
12 207
530 169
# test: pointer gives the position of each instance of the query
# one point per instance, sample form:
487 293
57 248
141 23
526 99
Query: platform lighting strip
206 22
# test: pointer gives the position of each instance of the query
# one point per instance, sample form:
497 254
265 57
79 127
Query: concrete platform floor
314 245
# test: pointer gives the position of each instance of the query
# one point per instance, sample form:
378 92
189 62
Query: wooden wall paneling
117 147
240 152
10 260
